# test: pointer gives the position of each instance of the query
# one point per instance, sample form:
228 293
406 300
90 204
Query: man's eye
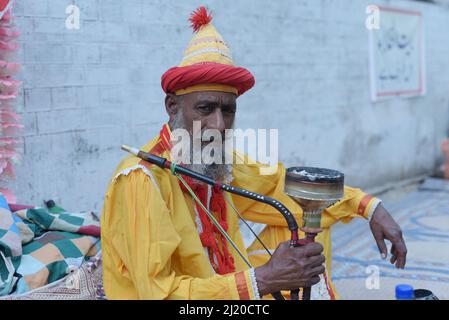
229 110
204 108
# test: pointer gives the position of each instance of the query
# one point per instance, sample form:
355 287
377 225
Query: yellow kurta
150 242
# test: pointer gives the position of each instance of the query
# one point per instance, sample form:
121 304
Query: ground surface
423 214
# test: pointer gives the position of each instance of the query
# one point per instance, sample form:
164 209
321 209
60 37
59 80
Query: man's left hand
384 228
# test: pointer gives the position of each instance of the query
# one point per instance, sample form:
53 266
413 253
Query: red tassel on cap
199 18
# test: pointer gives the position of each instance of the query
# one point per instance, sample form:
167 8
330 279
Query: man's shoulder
127 164
135 165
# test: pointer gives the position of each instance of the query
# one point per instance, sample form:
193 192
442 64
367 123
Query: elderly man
158 243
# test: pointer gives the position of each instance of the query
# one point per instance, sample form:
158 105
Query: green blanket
38 247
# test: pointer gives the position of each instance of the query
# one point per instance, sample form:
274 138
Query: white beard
217 171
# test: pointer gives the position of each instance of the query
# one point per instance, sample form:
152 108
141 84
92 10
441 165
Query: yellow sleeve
138 240
355 203
270 184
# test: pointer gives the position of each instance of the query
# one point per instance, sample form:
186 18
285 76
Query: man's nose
216 121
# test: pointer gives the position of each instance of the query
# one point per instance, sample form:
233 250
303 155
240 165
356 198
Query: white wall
88 91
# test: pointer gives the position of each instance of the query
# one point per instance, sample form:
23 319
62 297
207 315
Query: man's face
216 110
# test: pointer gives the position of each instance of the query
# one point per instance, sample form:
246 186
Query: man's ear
172 105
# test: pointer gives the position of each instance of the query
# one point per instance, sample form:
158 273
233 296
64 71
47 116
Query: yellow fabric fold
207 87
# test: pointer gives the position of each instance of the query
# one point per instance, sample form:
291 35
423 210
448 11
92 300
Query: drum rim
338 177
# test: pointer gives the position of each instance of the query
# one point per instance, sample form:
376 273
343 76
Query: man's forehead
212 97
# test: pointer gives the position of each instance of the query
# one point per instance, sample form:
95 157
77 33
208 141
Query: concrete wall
87 91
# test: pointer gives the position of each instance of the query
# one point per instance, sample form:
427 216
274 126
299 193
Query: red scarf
219 256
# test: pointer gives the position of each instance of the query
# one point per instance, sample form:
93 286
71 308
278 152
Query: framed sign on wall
397 62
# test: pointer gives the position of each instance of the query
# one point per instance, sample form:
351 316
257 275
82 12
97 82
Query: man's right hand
291 268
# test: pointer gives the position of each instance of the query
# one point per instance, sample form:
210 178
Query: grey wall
87 91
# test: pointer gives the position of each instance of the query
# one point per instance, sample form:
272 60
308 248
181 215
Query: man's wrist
254 284
372 209
259 275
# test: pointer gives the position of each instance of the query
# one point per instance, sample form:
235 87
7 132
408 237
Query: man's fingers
316 261
399 250
317 270
393 259
393 254
401 254
381 244
401 261
313 249
315 280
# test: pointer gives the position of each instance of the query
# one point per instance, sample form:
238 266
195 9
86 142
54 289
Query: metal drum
314 189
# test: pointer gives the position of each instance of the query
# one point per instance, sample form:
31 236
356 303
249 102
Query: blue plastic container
404 292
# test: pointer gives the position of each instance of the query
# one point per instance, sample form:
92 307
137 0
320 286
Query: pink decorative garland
9 120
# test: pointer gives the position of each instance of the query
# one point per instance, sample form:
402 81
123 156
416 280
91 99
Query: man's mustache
207 139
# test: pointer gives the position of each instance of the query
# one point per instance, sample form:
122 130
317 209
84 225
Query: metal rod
247 225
